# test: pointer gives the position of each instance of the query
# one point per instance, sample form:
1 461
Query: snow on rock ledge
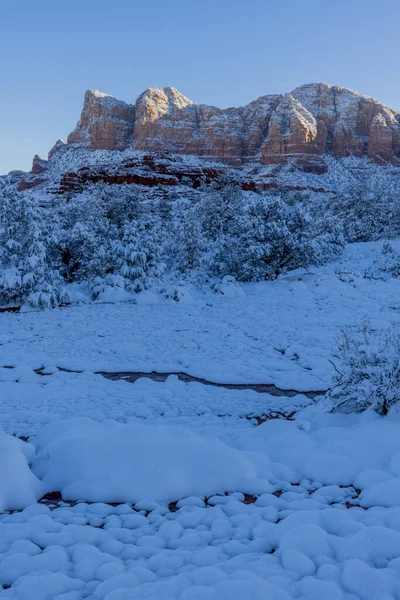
110 462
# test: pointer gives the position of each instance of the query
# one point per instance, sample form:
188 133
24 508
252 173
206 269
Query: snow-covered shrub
365 217
386 265
117 236
368 372
269 237
217 221
27 272
119 203
249 236
329 241
218 210
389 260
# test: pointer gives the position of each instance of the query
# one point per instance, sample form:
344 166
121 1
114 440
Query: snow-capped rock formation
293 141
312 120
105 123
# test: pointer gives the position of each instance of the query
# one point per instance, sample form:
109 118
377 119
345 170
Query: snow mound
341 450
18 486
110 462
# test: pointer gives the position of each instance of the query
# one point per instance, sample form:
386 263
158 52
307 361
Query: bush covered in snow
116 236
274 237
253 238
368 375
363 216
389 260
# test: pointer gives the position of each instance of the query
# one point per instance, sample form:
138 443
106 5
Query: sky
219 52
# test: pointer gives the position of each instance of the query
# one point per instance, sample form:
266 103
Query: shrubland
118 236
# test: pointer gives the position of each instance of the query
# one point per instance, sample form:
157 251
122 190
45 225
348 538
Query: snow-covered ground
282 332
174 490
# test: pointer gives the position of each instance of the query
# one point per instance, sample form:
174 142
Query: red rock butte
298 127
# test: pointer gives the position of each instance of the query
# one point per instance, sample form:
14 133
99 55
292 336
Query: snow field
171 490
273 548
282 332
296 540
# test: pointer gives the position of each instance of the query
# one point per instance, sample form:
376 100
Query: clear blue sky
221 52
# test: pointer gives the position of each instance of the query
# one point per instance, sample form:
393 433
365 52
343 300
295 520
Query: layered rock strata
298 127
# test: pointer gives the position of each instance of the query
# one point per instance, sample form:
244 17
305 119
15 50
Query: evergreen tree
274 238
26 272
218 210
140 259
86 240
188 245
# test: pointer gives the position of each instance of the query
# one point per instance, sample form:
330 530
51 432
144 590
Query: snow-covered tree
111 240
86 240
187 244
250 236
273 238
218 210
120 235
27 272
141 257
119 203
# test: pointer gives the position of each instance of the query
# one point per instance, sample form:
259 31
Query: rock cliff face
382 144
165 120
298 127
105 123
293 131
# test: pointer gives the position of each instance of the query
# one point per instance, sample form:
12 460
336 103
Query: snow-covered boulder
111 462
18 485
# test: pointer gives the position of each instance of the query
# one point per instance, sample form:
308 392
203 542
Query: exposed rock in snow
168 121
164 118
347 117
57 146
38 165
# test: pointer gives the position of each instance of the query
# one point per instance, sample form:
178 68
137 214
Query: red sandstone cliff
303 125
